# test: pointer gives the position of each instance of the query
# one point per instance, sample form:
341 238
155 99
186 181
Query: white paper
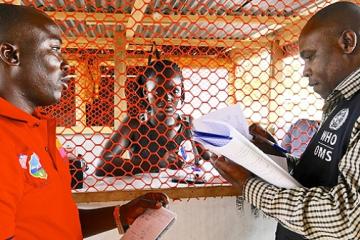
281 161
233 116
240 150
150 225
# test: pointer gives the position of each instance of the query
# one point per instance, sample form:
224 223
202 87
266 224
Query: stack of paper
222 138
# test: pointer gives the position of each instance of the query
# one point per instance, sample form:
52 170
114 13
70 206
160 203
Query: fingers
222 167
130 211
154 200
231 171
222 163
227 177
203 152
149 203
266 147
257 130
136 207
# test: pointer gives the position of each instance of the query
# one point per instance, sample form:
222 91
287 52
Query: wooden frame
173 193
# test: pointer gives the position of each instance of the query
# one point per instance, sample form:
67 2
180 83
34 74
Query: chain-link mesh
136 62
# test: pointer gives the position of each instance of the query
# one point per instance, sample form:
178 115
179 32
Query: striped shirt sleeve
316 213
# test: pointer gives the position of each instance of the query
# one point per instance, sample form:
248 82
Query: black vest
319 164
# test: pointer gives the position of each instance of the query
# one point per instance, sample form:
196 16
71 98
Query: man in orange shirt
35 195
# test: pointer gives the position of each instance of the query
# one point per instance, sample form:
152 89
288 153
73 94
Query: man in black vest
328 204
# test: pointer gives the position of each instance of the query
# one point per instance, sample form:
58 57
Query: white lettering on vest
329 137
323 153
328 156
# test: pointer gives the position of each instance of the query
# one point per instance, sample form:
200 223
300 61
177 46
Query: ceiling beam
106 18
159 19
285 29
88 43
137 15
108 43
201 42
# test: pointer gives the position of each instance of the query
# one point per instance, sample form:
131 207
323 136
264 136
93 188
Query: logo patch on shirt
35 168
339 119
23 160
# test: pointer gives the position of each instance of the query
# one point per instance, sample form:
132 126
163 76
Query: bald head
329 46
336 18
32 68
15 21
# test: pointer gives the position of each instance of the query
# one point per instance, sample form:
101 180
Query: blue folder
216 140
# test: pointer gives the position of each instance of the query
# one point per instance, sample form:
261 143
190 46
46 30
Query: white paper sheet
233 116
281 161
239 149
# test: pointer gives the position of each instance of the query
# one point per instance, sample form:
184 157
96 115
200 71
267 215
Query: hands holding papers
218 132
231 171
265 141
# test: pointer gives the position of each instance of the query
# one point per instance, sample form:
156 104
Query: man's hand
261 139
173 160
202 151
256 130
133 209
231 171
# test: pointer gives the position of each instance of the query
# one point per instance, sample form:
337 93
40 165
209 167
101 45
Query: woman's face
163 93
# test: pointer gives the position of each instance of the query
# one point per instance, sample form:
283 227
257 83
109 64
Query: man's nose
65 67
307 71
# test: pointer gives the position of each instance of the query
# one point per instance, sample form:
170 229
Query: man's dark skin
324 44
33 73
329 47
154 142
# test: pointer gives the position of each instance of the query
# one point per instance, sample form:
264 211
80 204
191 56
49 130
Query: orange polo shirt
35 194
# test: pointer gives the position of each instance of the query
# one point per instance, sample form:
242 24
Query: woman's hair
164 69
159 68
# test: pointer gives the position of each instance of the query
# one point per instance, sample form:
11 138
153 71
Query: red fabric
35 205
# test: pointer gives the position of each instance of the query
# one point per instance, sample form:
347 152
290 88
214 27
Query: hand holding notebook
219 136
150 225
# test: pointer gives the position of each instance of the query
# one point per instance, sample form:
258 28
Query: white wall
211 219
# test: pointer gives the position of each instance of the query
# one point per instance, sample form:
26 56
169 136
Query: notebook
150 225
220 135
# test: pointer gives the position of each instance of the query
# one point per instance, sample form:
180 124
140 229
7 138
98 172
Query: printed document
225 133
150 225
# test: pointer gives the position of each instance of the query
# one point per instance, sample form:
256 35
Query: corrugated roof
172 22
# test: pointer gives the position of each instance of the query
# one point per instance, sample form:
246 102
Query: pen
274 145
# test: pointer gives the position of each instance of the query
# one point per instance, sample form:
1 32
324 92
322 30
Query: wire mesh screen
144 69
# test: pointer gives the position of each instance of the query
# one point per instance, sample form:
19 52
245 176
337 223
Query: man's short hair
15 20
337 17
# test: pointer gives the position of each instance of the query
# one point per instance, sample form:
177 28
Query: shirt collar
10 111
347 88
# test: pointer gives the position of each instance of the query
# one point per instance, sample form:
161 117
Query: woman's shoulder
186 118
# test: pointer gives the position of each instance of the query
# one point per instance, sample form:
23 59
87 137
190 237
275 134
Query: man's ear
348 41
9 54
